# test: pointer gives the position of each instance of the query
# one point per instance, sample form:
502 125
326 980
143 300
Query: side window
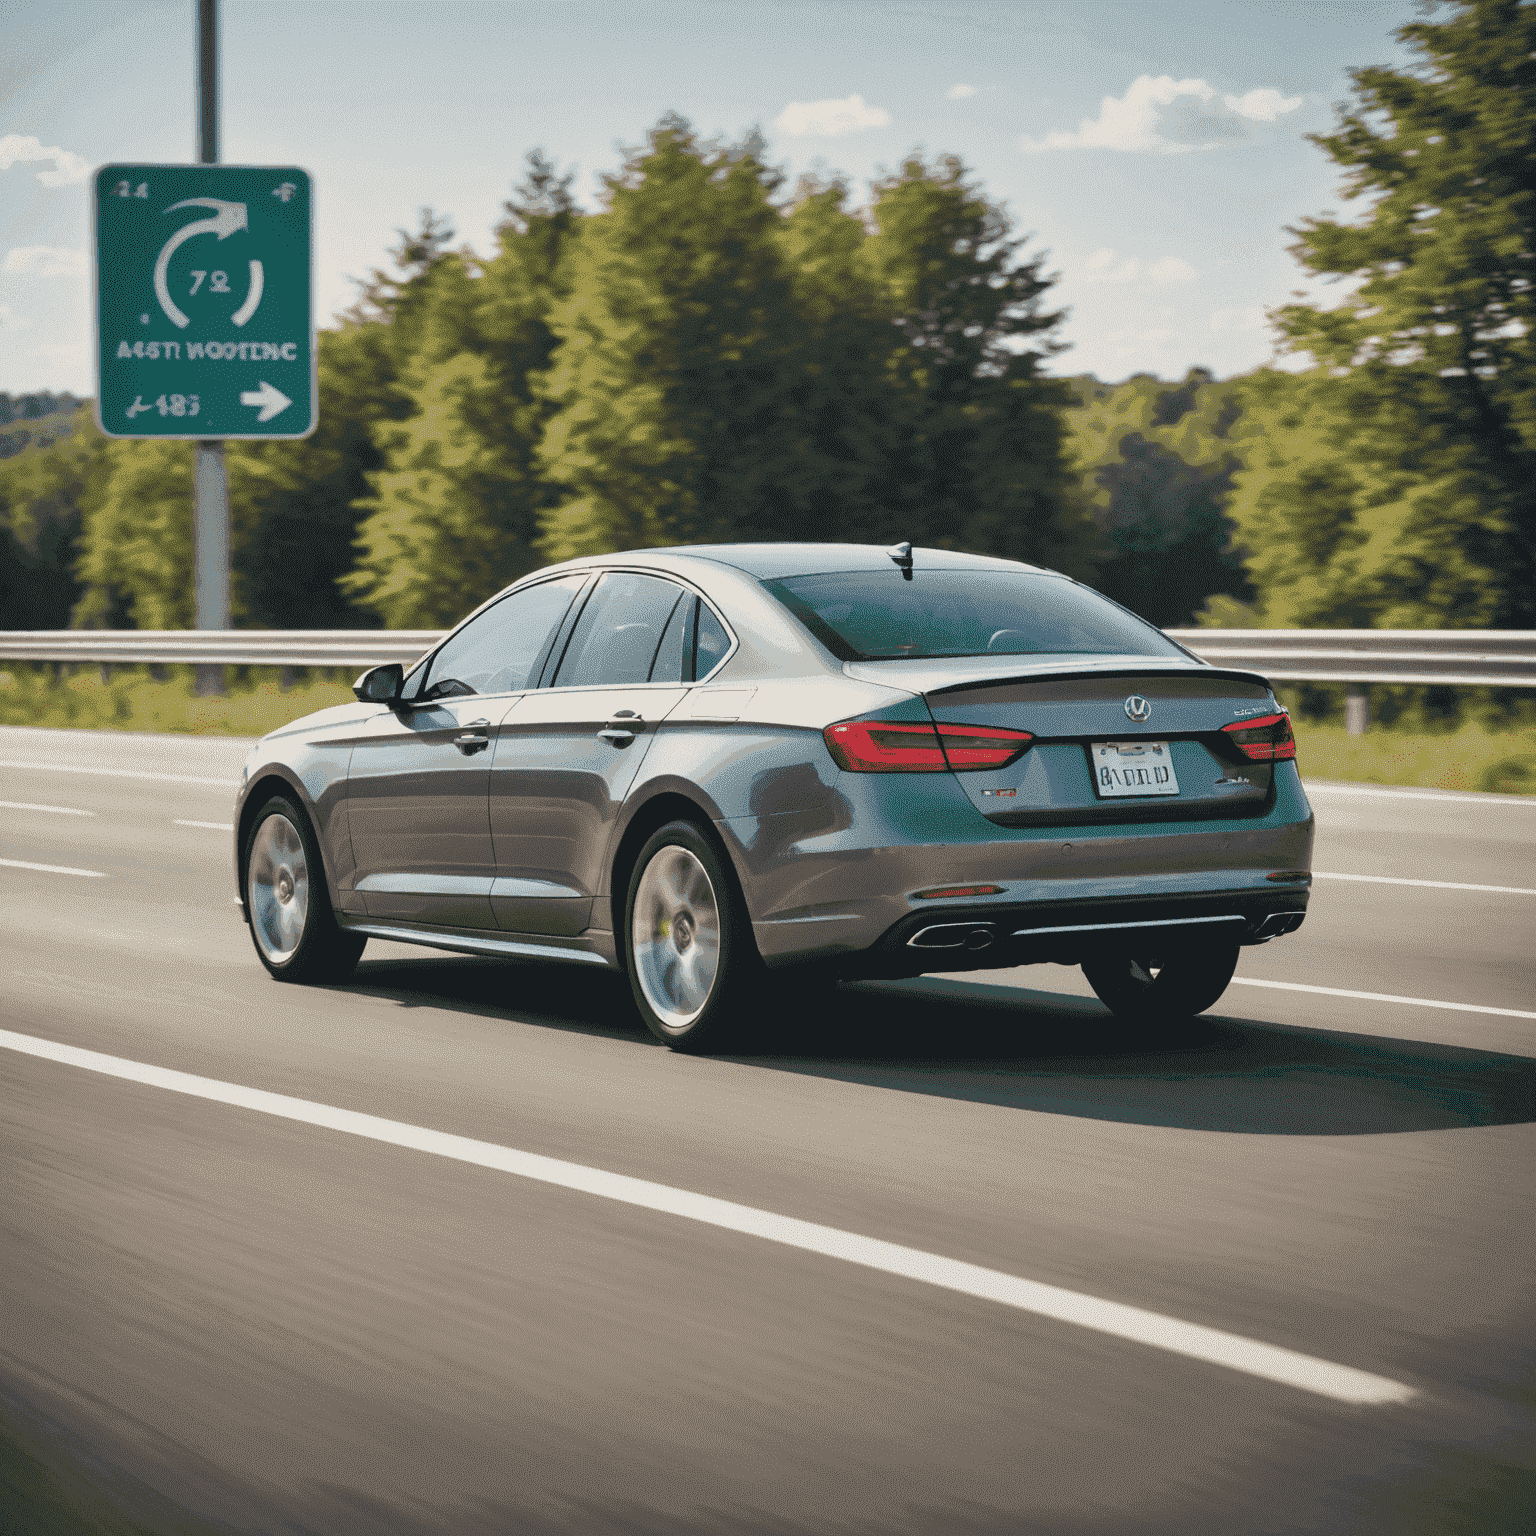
675 643
711 642
617 635
497 652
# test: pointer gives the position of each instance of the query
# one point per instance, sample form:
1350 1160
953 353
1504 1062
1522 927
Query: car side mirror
380 685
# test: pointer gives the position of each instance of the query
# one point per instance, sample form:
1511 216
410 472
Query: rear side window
497 650
620 630
881 616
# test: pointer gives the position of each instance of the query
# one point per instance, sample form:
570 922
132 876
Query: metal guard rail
1459 657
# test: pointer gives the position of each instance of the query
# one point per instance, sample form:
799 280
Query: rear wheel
692 963
292 924
1177 986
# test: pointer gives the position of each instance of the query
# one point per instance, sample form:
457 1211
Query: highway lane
286 1328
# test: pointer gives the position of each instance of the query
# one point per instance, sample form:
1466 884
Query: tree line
713 355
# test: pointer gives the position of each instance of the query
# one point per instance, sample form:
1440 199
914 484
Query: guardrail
1461 657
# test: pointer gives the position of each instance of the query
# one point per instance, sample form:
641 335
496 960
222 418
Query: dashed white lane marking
213 826
1389 793
53 869
1343 1383
53 810
124 773
1381 997
1434 885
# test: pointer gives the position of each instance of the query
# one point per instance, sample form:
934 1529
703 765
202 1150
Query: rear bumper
1068 933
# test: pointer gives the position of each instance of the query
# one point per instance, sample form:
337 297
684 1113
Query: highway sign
204 317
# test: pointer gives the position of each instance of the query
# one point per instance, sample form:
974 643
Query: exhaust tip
953 936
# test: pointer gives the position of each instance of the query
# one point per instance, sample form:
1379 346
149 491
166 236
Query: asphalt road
218 1318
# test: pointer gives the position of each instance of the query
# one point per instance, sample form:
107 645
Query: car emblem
1137 708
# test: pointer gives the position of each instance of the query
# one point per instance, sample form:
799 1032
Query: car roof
769 562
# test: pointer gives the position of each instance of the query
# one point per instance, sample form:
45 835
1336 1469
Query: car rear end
1084 788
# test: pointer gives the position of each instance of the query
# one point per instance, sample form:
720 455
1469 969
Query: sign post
205 317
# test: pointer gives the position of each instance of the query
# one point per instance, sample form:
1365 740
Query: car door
417 789
566 757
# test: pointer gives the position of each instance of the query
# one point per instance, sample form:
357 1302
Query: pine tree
1428 381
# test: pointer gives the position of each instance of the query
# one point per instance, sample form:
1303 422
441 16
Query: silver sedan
720 768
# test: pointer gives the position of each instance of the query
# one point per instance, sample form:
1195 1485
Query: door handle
620 730
471 742
616 737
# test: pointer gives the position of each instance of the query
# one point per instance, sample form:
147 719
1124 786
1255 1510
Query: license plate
1122 768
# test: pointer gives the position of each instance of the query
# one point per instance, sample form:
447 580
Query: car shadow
1037 1050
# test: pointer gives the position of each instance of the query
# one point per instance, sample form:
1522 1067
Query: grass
1468 757
132 700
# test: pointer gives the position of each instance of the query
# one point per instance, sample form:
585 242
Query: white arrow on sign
227 218
269 399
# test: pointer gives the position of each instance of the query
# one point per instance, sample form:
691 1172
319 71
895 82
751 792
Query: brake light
897 746
1265 740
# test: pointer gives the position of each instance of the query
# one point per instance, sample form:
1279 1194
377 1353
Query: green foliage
453 510
1158 462
728 370
1417 434
131 700
43 491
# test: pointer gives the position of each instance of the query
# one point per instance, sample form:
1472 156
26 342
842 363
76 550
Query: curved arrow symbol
252 299
270 399
227 218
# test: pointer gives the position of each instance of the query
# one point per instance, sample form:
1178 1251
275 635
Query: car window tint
616 637
878 615
711 644
497 651
668 666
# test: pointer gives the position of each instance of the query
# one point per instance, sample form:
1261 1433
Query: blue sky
1156 151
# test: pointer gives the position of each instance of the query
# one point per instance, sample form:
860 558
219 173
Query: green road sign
204 320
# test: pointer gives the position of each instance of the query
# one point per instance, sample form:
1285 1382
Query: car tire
287 904
1183 984
693 965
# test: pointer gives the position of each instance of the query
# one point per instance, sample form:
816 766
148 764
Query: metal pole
210 482
1357 709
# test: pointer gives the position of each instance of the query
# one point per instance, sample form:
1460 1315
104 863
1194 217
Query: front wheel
688 943
1177 987
292 924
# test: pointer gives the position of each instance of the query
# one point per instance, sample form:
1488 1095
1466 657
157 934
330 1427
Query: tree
982 462
44 490
676 382
454 504
1423 416
1158 462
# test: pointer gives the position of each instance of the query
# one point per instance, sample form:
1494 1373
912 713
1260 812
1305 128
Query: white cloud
1249 317
830 119
1172 269
1164 116
1107 266
960 92
10 320
68 167
1263 105
44 261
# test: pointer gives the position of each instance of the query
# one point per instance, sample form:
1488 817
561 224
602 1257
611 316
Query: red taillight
892 746
1265 740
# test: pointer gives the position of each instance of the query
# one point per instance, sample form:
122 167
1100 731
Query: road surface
217 1313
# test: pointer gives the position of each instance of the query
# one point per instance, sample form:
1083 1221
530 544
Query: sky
1155 152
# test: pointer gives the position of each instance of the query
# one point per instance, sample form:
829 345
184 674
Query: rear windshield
881 616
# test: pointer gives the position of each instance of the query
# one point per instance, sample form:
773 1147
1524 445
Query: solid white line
1434 885
213 826
54 810
53 869
124 773
1332 787
1381 997
1305 1372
